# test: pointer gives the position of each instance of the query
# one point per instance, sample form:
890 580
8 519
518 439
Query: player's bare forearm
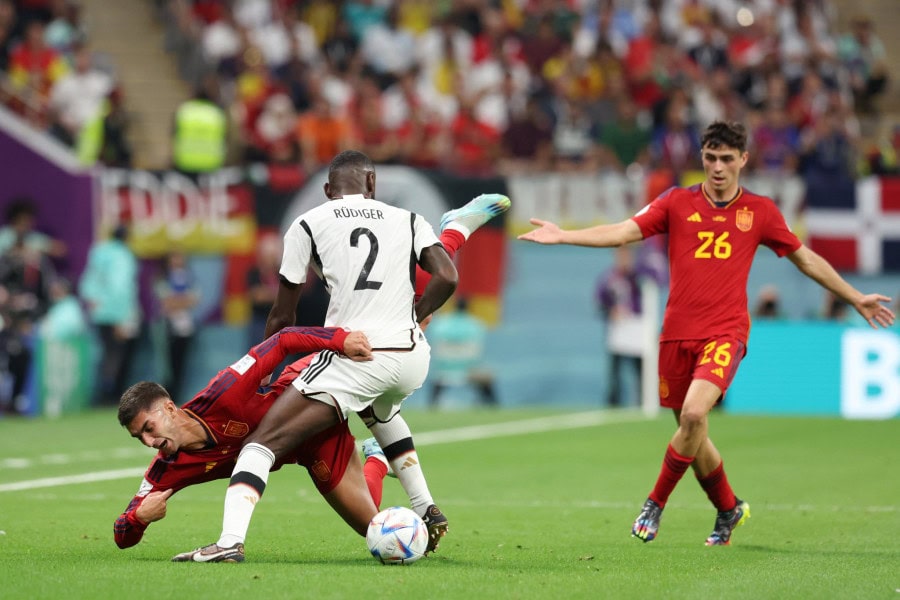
444 279
599 236
284 309
870 306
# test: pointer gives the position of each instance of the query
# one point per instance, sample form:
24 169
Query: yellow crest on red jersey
744 219
321 471
236 429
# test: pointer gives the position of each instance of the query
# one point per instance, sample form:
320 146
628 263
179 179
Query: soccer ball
397 536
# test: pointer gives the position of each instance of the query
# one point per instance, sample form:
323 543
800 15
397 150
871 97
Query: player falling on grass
200 441
714 231
366 252
189 454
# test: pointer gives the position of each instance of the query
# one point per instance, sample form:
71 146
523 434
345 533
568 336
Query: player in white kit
366 252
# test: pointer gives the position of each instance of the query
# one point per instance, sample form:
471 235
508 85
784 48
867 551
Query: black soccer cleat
726 521
437 526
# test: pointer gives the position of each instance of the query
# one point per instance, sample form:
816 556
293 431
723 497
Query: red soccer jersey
229 408
710 253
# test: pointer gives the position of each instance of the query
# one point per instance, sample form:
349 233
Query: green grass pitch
533 514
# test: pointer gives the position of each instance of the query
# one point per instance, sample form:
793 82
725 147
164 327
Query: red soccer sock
673 468
718 490
375 471
452 241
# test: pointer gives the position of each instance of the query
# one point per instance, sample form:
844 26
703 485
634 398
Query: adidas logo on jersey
695 218
719 371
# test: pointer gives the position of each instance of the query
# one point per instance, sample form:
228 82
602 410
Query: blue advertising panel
814 368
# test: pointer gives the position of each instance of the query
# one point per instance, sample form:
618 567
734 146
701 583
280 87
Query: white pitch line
476 432
32 484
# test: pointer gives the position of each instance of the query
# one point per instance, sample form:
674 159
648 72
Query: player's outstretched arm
600 236
870 306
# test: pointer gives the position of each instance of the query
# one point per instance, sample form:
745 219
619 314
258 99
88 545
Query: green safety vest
199 144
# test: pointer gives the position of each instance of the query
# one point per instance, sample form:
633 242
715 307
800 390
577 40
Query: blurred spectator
361 15
882 158
25 273
619 304
109 288
387 48
709 53
322 134
626 140
475 145
177 293
33 65
828 162
776 144
865 59
527 144
78 97
262 285
768 304
20 223
457 349
273 137
65 32
8 32
114 148
65 317
676 144
199 141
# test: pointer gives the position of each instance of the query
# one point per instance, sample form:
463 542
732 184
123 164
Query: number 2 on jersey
363 282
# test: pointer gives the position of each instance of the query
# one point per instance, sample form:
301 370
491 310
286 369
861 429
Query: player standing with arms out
366 252
714 230
200 441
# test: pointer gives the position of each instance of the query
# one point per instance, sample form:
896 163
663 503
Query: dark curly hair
725 134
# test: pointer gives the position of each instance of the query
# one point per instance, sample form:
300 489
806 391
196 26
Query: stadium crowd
480 86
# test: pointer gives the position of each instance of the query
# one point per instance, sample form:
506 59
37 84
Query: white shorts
382 383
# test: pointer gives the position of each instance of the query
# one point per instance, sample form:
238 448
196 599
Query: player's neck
194 436
723 197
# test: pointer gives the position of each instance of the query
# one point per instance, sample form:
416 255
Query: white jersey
366 253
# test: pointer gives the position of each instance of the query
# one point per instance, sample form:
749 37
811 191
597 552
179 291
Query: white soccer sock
406 466
248 481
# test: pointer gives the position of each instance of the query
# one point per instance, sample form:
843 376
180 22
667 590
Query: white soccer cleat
476 213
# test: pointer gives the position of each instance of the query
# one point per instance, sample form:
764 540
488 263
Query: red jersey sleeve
653 219
777 235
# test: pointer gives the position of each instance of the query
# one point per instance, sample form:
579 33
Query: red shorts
715 360
326 454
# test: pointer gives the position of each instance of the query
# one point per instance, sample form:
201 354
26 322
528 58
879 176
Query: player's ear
327 190
370 183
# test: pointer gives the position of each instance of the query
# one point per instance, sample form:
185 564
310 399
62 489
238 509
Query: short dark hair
725 134
140 396
350 159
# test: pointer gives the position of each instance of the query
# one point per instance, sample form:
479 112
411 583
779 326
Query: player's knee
692 419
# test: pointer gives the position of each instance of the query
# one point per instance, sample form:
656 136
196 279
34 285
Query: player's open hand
153 508
872 308
546 233
356 346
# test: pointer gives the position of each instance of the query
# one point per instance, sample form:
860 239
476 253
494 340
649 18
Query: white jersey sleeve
366 252
297 253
